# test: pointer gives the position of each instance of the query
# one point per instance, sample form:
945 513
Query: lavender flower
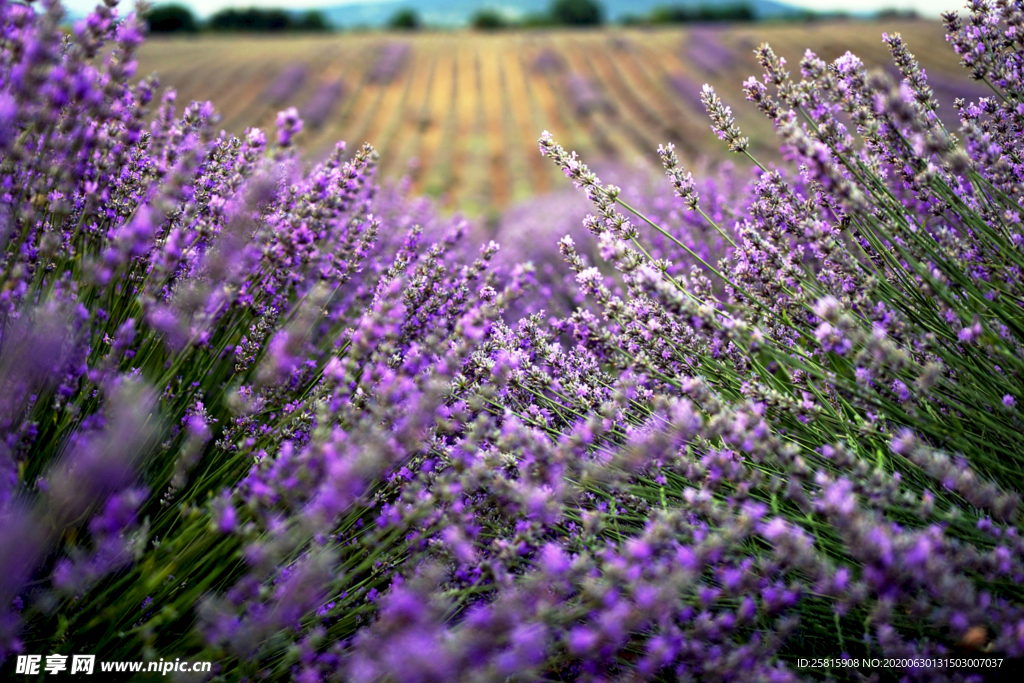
722 121
288 126
288 420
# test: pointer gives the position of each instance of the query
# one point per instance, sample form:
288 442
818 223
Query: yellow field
468 107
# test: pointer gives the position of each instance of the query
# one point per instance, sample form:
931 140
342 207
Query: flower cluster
211 360
285 420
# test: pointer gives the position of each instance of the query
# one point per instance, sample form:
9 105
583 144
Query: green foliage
247 418
171 19
260 20
538 20
488 19
680 14
313 21
577 12
838 15
250 19
701 13
894 13
405 19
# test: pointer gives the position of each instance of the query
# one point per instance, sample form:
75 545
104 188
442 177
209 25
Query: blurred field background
460 112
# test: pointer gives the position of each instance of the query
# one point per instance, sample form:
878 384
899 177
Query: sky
204 8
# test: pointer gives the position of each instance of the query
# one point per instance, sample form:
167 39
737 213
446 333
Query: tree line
175 18
591 13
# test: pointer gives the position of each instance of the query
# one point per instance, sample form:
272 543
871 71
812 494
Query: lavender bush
285 84
390 61
548 61
323 102
707 53
585 97
285 421
211 362
527 231
686 89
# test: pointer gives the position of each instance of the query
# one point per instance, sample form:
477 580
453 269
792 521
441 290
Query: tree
276 20
577 12
488 19
225 20
676 14
405 19
171 19
250 19
893 13
538 20
313 20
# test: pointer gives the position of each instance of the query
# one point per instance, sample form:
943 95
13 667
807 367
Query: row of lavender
283 420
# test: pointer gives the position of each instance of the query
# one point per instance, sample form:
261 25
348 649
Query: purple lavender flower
289 124
314 434
722 121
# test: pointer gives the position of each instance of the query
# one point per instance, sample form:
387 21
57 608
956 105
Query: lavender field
752 421
459 112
